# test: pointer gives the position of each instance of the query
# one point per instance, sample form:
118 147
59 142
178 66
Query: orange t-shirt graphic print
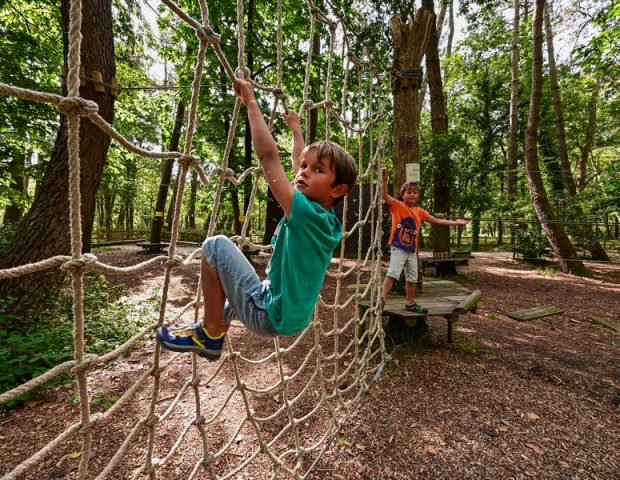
406 223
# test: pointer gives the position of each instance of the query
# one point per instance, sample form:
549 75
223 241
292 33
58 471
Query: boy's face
315 179
411 196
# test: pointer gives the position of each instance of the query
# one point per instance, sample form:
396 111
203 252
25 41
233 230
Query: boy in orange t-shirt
407 220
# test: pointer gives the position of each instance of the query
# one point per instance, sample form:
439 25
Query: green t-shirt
302 245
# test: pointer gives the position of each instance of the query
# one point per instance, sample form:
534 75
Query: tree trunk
513 142
589 139
439 125
410 40
44 230
559 241
567 176
166 175
440 22
450 28
173 198
193 197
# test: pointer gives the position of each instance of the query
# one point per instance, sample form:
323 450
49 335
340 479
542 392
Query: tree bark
410 40
567 176
44 230
513 142
439 125
559 241
589 138
166 176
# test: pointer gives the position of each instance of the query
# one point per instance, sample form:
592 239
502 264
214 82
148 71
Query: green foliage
101 399
602 52
31 58
111 318
468 346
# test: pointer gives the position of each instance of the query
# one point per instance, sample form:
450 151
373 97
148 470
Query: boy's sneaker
190 338
414 307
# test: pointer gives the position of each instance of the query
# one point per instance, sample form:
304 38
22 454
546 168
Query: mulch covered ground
508 399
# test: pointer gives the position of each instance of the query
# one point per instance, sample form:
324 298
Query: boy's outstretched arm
387 198
449 223
291 118
265 147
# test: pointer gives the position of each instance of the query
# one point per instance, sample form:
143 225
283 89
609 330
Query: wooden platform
443 298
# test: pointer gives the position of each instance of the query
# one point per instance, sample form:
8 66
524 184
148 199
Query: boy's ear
340 190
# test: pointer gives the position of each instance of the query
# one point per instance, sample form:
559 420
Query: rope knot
188 160
315 11
78 105
152 420
88 360
175 261
80 264
227 173
329 104
279 94
207 33
243 72
201 420
308 104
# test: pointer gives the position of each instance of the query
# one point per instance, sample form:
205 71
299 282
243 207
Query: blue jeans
245 293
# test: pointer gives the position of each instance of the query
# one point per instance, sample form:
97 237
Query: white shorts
400 260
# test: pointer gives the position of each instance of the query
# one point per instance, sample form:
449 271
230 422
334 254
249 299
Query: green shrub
110 319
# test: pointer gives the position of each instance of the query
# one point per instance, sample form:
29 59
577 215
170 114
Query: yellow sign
159 214
242 218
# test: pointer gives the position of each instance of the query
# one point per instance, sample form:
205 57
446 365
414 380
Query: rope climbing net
277 412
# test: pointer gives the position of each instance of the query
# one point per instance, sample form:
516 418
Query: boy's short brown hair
408 185
345 170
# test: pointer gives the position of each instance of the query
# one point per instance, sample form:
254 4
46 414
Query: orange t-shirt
406 223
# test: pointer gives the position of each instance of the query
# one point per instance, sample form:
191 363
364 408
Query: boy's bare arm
292 121
265 147
387 198
449 223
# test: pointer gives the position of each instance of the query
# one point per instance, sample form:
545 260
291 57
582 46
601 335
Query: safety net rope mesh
276 413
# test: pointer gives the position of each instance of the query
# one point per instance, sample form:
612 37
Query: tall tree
410 40
439 124
166 177
588 141
565 168
44 230
559 241
513 139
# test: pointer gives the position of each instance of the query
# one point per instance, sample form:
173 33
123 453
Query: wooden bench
156 247
445 262
443 298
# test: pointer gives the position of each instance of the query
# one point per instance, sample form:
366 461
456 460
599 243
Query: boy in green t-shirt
303 244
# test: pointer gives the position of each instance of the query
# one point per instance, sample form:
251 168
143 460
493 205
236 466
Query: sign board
413 172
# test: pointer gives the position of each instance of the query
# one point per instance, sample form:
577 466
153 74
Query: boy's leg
397 262
219 262
387 286
410 291
214 300
411 278
229 284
